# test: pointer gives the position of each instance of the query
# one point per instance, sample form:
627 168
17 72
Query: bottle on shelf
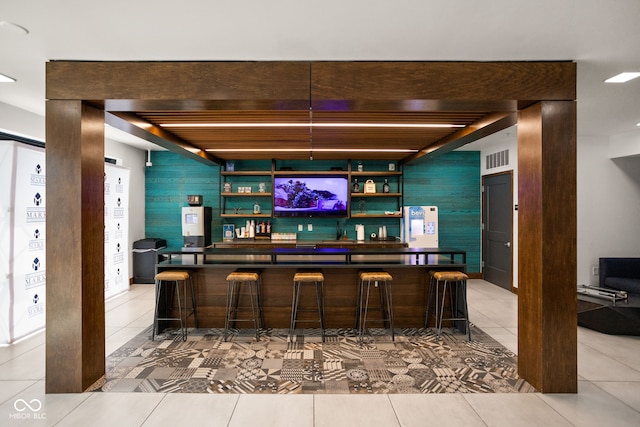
356 186
385 186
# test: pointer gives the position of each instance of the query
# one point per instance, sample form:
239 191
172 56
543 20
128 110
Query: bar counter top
310 254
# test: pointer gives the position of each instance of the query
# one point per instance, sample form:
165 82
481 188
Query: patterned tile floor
417 362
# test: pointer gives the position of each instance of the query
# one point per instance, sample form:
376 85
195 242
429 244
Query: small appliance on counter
420 227
196 223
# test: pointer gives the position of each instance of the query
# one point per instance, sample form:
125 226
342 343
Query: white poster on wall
6 218
23 231
29 249
116 230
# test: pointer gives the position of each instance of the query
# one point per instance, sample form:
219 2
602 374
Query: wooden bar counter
340 263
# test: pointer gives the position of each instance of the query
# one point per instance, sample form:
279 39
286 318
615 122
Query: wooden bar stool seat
382 280
174 280
235 282
299 280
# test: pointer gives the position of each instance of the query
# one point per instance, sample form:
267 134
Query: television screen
308 195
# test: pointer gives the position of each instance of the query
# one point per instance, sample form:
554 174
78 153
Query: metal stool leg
389 308
294 309
227 319
444 297
320 301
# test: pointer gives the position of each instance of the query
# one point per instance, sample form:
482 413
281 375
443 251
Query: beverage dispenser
196 223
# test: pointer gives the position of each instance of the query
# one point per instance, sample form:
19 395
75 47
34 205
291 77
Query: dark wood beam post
547 319
75 348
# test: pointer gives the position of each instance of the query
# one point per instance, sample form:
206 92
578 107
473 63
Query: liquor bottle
269 227
356 186
385 186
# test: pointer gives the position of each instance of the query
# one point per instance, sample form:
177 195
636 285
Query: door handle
507 244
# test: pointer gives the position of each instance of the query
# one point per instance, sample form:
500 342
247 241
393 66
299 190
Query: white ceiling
601 36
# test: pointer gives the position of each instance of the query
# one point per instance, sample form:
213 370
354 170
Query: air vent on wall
495 160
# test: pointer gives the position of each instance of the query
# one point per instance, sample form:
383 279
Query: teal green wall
451 182
167 184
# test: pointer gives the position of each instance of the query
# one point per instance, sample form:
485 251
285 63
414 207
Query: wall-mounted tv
310 196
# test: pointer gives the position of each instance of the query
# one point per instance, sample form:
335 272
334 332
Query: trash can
145 257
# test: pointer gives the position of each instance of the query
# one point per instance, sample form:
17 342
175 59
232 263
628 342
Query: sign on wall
23 272
116 230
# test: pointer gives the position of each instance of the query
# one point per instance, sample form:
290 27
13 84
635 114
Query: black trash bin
145 257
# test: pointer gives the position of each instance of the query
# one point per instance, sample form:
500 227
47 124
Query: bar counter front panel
409 267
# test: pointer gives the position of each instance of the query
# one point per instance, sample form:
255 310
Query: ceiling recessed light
10 27
315 125
622 77
6 79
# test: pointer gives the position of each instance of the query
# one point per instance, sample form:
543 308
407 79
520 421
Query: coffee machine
196 223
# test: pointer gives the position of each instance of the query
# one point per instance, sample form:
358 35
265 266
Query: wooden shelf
247 215
253 194
374 215
376 173
309 173
240 173
354 195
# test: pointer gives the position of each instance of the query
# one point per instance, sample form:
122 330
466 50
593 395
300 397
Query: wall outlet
309 227
595 271
300 227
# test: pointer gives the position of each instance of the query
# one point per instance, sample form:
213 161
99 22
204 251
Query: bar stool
178 279
299 280
235 281
458 304
382 281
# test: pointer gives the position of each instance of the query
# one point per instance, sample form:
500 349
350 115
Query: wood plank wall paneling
452 183
167 184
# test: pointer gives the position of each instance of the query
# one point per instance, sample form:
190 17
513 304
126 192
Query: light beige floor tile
44 409
624 349
177 409
480 320
273 411
113 409
504 337
419 410
517 409
121 337
596 366
28 366
625 391
335 410
9 390
14 350
592 406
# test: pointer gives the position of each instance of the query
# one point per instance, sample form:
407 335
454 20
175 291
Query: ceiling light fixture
313 125
6 79
324 150
622 77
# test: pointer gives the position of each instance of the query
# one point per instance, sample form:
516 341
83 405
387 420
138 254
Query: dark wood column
75 348
547 319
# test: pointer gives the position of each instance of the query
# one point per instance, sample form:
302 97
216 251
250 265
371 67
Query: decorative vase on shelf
385 186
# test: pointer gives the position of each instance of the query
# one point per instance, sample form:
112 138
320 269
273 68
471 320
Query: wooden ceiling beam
484 127
134 125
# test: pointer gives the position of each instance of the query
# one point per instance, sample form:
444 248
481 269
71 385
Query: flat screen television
310 196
